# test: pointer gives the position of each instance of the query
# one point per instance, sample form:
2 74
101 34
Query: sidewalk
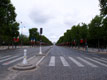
12 47
94 50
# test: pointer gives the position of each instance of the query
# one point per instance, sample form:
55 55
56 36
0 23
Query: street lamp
22 35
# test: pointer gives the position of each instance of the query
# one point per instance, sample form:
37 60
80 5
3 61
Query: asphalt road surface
9 58
62 63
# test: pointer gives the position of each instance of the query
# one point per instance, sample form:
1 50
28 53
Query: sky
54 16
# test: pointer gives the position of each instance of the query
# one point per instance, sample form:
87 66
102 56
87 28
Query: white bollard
40 50
25 57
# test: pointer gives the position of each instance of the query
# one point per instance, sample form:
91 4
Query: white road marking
31 58
64 62
100 59
40 61
104 59
96 61
12 61
8 58
76 62
87 62
4 57
52 61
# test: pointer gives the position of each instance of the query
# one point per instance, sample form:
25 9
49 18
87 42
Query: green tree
46 40
25 39
33 34
103 5
84 31
96 30
8 24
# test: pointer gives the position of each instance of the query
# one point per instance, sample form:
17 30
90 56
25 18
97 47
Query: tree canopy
8 25
34 35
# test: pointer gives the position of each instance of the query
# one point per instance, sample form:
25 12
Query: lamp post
22 35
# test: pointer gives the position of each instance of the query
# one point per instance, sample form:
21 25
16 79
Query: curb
30 66
24 67
91 51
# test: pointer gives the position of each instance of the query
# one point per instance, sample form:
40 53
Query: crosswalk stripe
100 60
104 59
96 61
64 62
8 58
52 61
76 62
7 63
4 57
87 62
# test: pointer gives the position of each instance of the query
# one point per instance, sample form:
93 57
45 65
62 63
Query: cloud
39 17
55 16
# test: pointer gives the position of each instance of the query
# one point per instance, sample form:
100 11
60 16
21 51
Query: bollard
25 57
40 50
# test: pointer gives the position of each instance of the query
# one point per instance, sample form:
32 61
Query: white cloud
55 16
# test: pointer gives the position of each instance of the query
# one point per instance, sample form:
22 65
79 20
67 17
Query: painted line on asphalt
76 62
10 62
52 61
96 61
100 59
42 59
8 58
87 62
64 62
31 58
104 59
4 57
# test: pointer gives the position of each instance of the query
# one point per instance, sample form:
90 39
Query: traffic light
41 30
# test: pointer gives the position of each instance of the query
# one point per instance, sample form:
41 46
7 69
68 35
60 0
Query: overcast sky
54 16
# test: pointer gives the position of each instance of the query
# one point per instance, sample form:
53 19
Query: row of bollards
25 65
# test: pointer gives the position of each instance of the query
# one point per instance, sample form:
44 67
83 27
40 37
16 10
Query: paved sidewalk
94 50
12 47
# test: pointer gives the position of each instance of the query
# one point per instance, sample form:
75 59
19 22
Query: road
9 58
63 63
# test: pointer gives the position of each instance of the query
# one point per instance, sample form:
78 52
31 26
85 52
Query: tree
84 31
25 39
103 5
8 24
45 40
96 30
33 34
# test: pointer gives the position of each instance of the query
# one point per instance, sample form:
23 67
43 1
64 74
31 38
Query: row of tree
35 37
94 34
9 28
